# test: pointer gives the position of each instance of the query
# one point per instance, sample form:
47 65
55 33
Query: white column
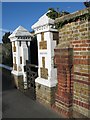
49 64
17 55
24 58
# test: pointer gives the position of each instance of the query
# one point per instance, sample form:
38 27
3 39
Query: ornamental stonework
43 62
43 45
15 67
44 73
43 70
14 47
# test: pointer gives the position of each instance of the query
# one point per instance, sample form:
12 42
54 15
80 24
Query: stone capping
72 15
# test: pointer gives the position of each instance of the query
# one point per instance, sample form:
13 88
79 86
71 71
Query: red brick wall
75 34
81 93
64 63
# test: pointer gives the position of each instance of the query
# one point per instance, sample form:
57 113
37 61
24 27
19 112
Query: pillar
20 39
47 74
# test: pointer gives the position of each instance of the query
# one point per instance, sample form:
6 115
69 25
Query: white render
21 51
46 25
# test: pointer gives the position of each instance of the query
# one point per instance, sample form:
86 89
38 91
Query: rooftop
43 20
20 31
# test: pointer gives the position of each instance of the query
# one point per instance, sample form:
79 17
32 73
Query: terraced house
60 75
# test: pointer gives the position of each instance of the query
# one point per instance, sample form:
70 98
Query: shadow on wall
34 51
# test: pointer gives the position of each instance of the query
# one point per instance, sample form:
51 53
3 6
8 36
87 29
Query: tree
52 13
5 38
87 3
6 50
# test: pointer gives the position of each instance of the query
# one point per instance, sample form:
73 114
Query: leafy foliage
53 14
75 18
6 50
5 38
87 3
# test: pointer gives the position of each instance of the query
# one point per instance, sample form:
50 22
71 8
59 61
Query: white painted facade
19 38
46 25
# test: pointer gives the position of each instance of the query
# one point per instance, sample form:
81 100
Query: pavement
16 105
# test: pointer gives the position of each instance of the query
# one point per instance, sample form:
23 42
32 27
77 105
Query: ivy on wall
75 18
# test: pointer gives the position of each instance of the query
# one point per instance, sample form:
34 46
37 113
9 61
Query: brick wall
64 63
81 76
75 34
45 95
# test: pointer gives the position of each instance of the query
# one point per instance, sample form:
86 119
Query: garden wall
73 50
